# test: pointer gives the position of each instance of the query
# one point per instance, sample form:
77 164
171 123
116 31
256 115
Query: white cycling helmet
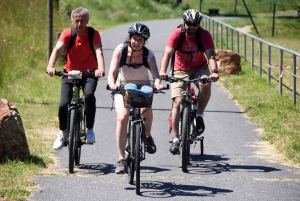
192 15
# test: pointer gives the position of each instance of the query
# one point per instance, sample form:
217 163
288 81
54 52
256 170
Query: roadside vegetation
23 82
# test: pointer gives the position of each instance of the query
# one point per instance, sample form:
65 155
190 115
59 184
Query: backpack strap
91 31
124 53
180 42
145 57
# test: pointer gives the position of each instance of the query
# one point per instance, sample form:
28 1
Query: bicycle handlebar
167 87
200 79
61 73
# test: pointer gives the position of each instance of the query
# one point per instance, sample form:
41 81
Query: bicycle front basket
137 93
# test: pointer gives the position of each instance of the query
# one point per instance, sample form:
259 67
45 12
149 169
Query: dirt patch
269 153
246 28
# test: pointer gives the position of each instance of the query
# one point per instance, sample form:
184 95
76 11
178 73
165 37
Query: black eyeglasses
191 24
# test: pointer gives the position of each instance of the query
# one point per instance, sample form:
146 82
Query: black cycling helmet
192 15
140 29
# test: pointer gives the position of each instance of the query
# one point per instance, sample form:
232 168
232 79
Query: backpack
180 42
73 37
124 53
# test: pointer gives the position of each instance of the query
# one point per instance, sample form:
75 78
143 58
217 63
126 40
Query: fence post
260 58
294 80
269 62
252 54
280 71
50 27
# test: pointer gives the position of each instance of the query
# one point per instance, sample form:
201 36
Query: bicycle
135 98
188 109
76 117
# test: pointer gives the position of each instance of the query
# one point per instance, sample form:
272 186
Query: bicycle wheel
72 139
79 129
185 142
137 128
130 160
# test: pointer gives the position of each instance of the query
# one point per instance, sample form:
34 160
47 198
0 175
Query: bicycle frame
187 116
136 145
76 125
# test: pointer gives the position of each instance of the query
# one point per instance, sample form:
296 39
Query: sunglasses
191 24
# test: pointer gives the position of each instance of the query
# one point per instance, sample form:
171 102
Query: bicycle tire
77 148
185 142
130 161
72 140
138 130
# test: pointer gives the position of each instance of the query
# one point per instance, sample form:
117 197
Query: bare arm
165 61
210 53
59 47
113 69
100 72
154 71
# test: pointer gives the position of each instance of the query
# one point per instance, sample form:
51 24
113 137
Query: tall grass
237 7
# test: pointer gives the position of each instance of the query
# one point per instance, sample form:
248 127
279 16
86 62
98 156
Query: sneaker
174 149
60 140
200 127
90 136
121 166
151 147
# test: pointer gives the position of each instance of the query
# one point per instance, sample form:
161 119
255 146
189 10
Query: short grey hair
85 11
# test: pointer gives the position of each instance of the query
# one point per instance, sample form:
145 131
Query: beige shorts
178 87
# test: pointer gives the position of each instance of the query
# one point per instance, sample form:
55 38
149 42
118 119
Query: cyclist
190 62
133 69
80 57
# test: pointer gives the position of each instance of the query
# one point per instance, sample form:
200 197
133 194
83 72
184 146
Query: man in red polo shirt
190 61
79 57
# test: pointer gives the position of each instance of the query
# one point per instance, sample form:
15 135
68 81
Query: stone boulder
228 61
13 142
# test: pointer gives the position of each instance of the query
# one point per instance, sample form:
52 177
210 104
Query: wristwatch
215 70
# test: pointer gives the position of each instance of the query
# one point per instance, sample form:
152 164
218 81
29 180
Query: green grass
274 114
23 81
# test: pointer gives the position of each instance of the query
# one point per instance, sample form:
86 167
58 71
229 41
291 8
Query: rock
228 61
13 142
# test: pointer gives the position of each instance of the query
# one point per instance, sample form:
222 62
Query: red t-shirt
184 61
80 56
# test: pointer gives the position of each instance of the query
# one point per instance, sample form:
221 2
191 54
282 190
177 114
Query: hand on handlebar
163 76
214 77
112 87
51 71
99 73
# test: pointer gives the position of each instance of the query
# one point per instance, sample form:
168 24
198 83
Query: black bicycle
188 110
76 117
137 94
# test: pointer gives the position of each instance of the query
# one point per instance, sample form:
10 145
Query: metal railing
262 55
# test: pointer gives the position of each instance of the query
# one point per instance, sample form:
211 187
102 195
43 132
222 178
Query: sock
201 115
176 140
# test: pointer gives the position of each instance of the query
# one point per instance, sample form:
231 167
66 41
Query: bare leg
122 121
203 96
149 118
175 116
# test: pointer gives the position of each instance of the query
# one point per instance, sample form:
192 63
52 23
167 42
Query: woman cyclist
133 69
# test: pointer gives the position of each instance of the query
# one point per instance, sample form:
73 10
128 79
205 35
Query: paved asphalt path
230 169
